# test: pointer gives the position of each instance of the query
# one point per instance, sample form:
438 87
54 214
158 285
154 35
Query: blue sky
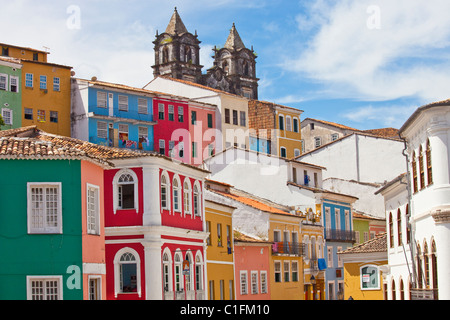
366 64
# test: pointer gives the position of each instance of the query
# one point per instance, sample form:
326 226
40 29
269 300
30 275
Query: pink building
202 127
251 260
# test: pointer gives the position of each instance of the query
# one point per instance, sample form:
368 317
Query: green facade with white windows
10 93
41 257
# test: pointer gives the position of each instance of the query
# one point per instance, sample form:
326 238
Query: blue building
259 144
339 235
112 114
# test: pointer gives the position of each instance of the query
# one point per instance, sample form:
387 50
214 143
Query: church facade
177 55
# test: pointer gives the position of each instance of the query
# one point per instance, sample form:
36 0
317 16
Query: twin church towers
177 55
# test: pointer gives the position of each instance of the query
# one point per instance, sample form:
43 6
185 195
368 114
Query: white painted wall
79 109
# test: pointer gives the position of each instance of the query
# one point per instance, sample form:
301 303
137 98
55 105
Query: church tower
177 52
237 65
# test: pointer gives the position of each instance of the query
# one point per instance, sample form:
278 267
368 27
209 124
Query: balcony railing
424 294
185 295
340 235
289 248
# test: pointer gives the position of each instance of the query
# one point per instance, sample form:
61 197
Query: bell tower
177 52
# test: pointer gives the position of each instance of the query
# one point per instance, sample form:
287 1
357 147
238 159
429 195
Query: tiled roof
241 237
377 244
384 132
333 124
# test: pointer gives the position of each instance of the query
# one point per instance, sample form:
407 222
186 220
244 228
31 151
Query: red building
154 226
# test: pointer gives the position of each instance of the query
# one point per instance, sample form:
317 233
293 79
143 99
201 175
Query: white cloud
400 59
382 116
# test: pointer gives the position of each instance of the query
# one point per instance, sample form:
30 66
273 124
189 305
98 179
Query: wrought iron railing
290 248
424 294
340 235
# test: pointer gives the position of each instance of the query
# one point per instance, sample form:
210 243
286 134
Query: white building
427 135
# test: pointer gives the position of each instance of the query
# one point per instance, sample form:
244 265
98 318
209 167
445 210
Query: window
414 170
187 197
337 213
44 288
126 191
193 117
208 230
198 272
399 227
142 106
194 149
143 135
180 114
235 117
164 194
162 147
123 103
244 284
296 152
281 122
56 84
28 113
123 132
294 271
421 168
167 271
330 257
219 234
429 168
340 263
160 111
210 120
29 80
126 266
43 82
283 152
44 208
7 116
254 282
171 113
41 115
288 124
227 115
295 125
277 271
3 81
370 278
334 136
391 231
5 51
101 99
102 129
93 210
317 142
54 116
196 201
286 271
242 118
35 56
14 84
181 149
263 277
176 195
95 288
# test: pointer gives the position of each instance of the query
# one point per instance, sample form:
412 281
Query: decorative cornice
441 215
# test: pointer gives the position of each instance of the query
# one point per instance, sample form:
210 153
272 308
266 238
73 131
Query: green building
367 227
10 92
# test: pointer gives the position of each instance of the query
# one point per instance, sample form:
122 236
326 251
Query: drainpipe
408 215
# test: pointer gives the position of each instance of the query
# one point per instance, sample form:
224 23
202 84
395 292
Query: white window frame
187 195
166 185
288 123
29 80
116 189
263 281
330 257
102 129
98 288
279 271
334 136
297 153
30 280
167 271
197 199
7 115
102 99
254 282
142 106
117 271
4 81
340 263
176 199
286 272
337 218
16 80
43 230
93 210
377 275
317 142
56 84
43 82
243 282
294 270
178 270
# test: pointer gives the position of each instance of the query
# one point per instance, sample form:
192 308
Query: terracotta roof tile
377 244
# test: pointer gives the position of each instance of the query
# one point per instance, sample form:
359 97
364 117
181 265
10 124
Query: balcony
288 248
340 235
185 295
424 294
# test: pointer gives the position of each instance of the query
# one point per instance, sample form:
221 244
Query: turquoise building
10 92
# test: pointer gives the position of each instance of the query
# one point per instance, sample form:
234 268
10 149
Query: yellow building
219 252
275 129
46 90
363 266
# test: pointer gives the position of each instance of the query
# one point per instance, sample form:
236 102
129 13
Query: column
152 202
153 267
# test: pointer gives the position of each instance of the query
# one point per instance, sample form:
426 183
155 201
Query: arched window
167 270
178 271
125 190
246 73
391 231
189 278
165 55
402 290
399 226
288 123
225 67
414 171
281 122
164 192
434 266
426 265
187 197
198 271
419 267
421 168
408 229
187 54
393 290
283 152
176 194
197 200
127 272
429 168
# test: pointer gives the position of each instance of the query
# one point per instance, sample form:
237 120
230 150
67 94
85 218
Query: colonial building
11 92
177 55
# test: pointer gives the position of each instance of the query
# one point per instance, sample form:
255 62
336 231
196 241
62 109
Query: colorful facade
11 92
46 90
220 249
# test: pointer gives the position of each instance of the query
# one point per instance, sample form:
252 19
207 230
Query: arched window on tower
165 55
391 231
414 171
429 168
187 54
419 267
225 67
426 266
421 168
399 226
434 268
246 68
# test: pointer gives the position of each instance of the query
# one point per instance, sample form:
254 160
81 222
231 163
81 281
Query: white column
152 201
153 267
442 239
